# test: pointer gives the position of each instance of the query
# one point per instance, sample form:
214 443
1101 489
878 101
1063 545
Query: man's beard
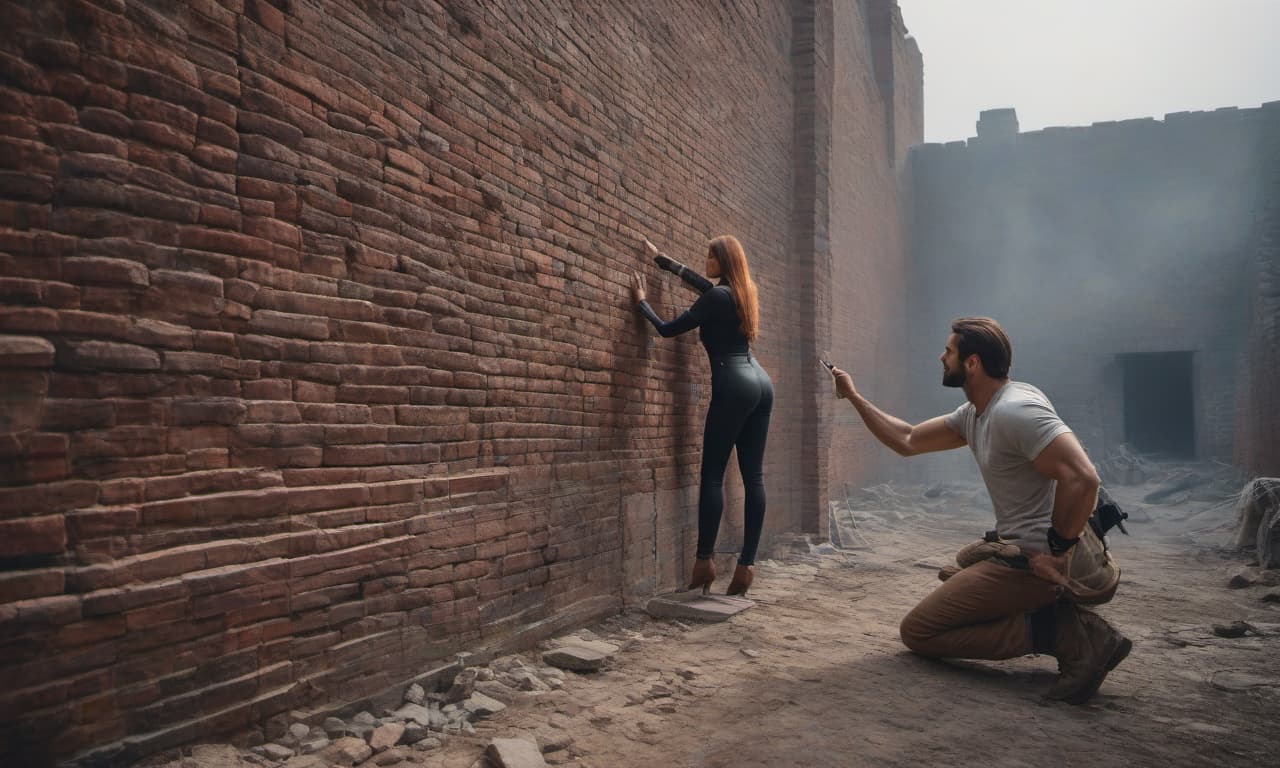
954 378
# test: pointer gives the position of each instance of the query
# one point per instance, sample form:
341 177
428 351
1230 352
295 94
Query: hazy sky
1076 62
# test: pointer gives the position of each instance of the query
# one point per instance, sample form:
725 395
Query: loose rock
514 753
349 750
386 736
415 694
480 705
277 752
389 757
415 712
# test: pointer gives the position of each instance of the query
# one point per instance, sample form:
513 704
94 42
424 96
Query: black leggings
741 401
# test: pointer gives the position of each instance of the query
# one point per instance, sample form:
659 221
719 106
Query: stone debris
389 757
580 655
415 712
514 753
480 705
462 686
1250 577
349 750
334 728
215 756
553 739
414 732
425 719
314 742
695 606
415 694
276 752
386 736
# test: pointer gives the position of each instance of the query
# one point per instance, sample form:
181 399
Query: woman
727 315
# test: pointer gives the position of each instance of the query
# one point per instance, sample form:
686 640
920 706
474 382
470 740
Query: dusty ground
814 674
832 685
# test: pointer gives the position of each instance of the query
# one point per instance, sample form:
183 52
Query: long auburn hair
733 268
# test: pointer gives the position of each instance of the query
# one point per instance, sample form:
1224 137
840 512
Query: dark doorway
1159 415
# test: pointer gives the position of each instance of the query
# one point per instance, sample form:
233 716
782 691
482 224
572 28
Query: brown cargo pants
979 613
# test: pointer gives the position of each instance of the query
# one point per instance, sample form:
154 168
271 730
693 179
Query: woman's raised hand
637 287
650 247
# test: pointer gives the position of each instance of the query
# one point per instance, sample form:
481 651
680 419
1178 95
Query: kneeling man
1043 488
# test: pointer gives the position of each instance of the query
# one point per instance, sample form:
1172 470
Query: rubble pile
425 720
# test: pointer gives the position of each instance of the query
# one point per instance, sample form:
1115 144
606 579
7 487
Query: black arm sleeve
695 281
686 322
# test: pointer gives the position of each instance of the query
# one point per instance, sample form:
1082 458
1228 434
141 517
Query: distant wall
318 358
1089 243
1258 421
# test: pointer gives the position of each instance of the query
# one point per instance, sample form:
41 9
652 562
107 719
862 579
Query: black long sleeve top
715 314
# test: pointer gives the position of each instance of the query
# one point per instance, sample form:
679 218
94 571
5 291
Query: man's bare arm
901 437
1065 461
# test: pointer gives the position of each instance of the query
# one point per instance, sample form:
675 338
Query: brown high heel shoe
742 578
704 572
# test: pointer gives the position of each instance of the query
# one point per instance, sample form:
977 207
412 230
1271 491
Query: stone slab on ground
580 655
696 606
515 753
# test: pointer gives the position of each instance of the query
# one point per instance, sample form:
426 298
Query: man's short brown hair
984 337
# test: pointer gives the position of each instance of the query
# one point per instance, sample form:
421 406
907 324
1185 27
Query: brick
94 269
33 535
26 352
27 585
107 356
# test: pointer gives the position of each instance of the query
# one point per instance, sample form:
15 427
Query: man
1043 489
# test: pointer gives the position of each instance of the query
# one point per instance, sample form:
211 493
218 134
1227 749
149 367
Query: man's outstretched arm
901 437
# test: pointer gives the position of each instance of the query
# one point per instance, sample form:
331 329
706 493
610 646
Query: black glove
1058 543
666 262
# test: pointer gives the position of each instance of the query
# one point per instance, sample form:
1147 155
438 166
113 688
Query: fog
1091 246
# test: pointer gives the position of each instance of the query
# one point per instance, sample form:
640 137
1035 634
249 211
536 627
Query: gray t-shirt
1017 425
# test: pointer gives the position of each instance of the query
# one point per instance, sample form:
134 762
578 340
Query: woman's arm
689 276
691 319
683 324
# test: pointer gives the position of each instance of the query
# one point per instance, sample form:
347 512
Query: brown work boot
1087 648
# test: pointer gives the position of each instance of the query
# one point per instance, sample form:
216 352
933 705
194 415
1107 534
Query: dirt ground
815 675
828 683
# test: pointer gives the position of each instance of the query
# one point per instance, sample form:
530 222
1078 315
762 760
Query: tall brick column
810 284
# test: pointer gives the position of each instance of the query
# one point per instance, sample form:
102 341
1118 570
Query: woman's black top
714 313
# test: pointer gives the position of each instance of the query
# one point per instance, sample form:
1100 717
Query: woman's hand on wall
637 287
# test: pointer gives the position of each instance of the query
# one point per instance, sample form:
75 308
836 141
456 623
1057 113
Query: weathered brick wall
1258 418
1088 243
867 283
318 358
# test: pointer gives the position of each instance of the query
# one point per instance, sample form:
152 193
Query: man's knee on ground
915 635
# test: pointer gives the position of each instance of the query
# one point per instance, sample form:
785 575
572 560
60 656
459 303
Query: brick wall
867 278
1258 417
318 359
1089 243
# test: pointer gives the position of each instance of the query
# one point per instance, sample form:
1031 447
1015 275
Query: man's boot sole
1118 655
